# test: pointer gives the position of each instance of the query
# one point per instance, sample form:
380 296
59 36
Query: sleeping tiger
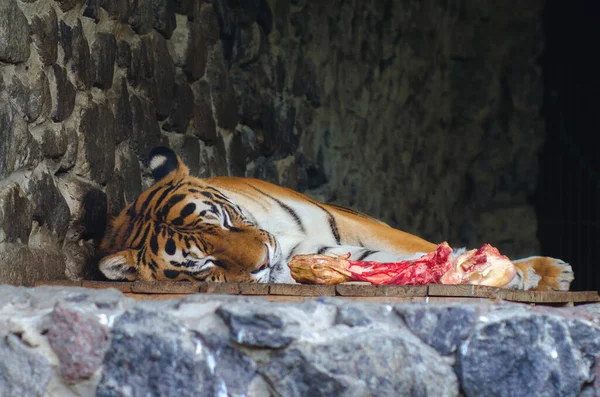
246 230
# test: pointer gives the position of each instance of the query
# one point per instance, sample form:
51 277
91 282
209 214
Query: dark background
567 200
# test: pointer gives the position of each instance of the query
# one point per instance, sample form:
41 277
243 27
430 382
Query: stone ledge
78 341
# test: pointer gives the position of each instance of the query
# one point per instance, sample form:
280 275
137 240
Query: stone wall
84 342
422 113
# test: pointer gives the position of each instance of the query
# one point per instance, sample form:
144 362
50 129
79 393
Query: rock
123 54
234 368
96 156
146 131
121 108
62 93
142 16
142 63
169 362
23 265
104 54
126 183
53 142
443 327
164 11
351 363
18 149
164 77
44 27
30 93
118 9
188 47
278 123
79 341
181 109
49 206
14 30
77 54
202 123
23 371
274 326
91 10
221 90
16 215
66 5
526 89
208 19
543 357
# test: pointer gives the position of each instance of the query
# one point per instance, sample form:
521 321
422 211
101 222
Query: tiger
239 229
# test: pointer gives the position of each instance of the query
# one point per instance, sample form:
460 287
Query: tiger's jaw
262 273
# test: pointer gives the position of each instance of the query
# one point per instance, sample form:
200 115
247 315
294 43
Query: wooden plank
385 299
549 296
460 299
254 289
154 296
57 283
221 288
463 290
118 285
164 287
302 289
380 290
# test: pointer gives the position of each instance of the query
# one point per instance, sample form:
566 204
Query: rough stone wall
67 342
422 113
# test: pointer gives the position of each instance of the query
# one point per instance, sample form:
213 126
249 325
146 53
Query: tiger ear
164 161
120 266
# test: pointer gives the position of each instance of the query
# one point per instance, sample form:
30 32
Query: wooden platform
356 291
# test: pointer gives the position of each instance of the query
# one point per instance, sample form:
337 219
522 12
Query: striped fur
243 229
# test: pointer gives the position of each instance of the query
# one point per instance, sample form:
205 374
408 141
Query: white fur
157 161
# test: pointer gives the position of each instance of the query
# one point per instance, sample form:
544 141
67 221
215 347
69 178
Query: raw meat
484 266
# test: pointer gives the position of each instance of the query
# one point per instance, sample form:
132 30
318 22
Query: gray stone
202 123
16 214
181 109
164 22
141 68
77 54
233 367
30 93
79 341
44 27
121 108
92 10
126 183
123 54
62 92
166 363
146 131
23 265
543 357
142 16
14 30
351 363
221 90
443 327
164 77
18 149
104 53
118 9
96 156
52 140
273 325
66 5
278 124
189 149
23 371
49 206
208 19
195 61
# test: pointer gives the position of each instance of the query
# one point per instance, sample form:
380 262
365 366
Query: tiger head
180 228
